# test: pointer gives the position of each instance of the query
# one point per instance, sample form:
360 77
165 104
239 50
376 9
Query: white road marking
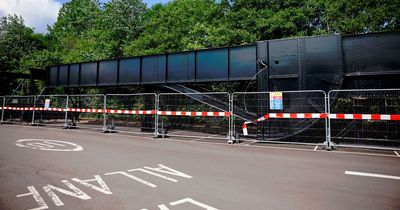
133 177
168 170
76 192
38 198
252 142
49 145
395 152
355 173
315 148
103 186
190 200
163 207
206 137
173 132
154 174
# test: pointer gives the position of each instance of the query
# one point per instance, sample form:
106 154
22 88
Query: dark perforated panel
212 65
181 67
129 71
53 76
63 76
242 62
153 69
74 75
108 72
88 74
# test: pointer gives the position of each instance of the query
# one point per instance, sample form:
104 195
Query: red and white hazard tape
131 112
293 116
135 112
194 114
365 116
388 117
83 110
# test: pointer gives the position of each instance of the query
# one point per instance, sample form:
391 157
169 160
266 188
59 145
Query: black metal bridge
329 62
318 62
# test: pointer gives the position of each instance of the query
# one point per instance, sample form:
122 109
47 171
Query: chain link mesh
365 132
86 111
131 113
293 122
50 110
192 115
18 109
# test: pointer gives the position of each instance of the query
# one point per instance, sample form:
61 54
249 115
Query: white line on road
395 152
206 137
355 173
315 148
252 142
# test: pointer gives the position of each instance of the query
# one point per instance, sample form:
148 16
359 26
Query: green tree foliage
361 16
16 42
88 30
186 25
75 20
122 20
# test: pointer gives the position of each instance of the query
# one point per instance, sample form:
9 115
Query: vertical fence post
33 111
104 113
2 110
156 105
231 118
327 123
66 112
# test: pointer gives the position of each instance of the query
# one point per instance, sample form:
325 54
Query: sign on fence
275 101
47 103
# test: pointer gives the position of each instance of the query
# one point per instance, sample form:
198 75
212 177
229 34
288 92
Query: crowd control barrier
50 110
342 118
86 111
198 116
132 113
280 117
18 109
365 118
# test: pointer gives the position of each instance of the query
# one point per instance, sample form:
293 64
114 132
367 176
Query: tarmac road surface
89 170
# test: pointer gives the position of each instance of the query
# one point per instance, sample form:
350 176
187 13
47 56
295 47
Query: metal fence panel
50 110
2 101
280 117
86 111
133 113
18 109
198 116
365 118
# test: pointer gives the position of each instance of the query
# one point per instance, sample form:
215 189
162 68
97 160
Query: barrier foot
109 129
70 125
232 138
329 146
161 133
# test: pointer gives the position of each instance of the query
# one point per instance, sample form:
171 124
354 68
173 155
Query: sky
40 13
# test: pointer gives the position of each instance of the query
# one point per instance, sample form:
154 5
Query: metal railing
295 117
18 109
87 111
131 113
341 118
364 118
50 110
194 115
